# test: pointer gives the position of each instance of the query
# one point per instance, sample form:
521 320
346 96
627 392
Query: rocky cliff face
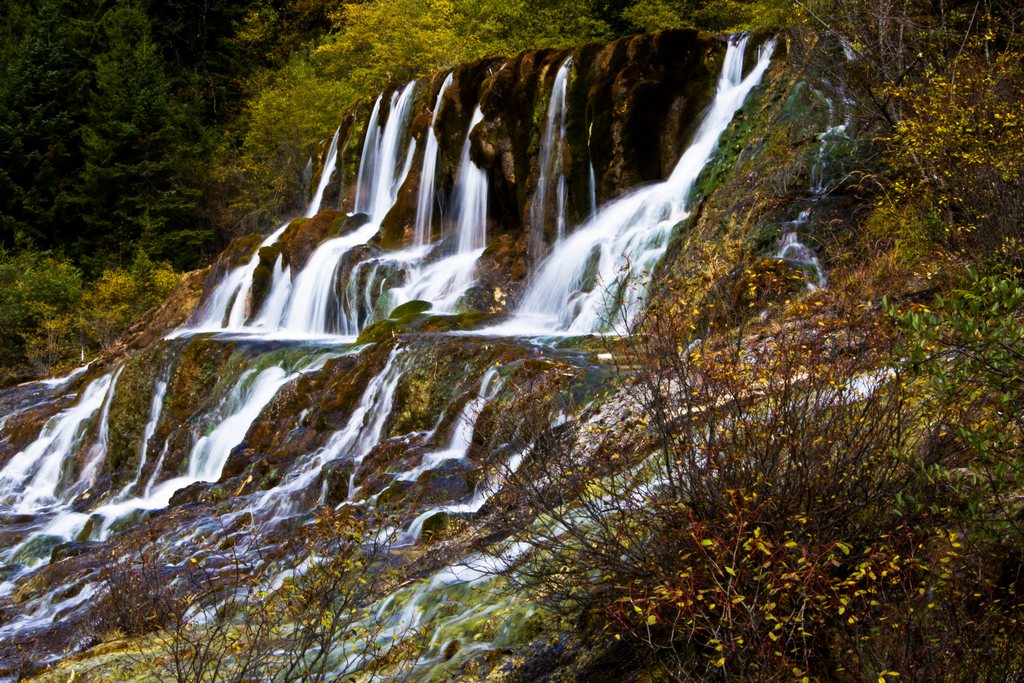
340 362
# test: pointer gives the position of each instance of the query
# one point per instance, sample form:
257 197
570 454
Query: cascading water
250 395
596 276
98 451
550 167
444 282
32 477
312 306
344 286
330 164
368 170
235 289
428 175
360 434
471 197
792 250
462 433
155 411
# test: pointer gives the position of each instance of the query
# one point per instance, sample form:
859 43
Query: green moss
743 129
129 412
410 309
36 548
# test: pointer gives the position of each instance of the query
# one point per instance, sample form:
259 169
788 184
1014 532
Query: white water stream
597 276
551 167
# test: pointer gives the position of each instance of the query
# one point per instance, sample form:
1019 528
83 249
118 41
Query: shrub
768 510
254 609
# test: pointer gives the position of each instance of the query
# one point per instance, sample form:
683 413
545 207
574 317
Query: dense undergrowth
836 498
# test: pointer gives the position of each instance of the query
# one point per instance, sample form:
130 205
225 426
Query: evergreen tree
130 192
42 107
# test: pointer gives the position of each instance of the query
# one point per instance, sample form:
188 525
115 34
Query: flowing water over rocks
368 361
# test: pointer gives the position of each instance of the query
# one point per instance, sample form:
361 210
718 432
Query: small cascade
458 449
445 281
365 427
32 477
366 296
313 305
368 160
245 403
232 294
239 312
428 175
551 167
792 250
834 134
355 440
484 491
596 276
239 411
593 190
229 305
471 197
462 433
382 169
98 451
56 382
156 409
470 586
330 163
280 291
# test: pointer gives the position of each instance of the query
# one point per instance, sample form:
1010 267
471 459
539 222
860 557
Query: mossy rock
36 548
346 224
130 410
303 235
336 476
240 250
71 549
435 526
410 309
383 330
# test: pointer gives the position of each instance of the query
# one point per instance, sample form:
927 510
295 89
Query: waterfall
98 451
597 274
445 281
458 448
156 408
239 411
378 179
277 300
31 478
235 289
462 432
313 306
366 425
360 434
182 433
792 250
550 167
428 175
330 163
471 197
368 160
